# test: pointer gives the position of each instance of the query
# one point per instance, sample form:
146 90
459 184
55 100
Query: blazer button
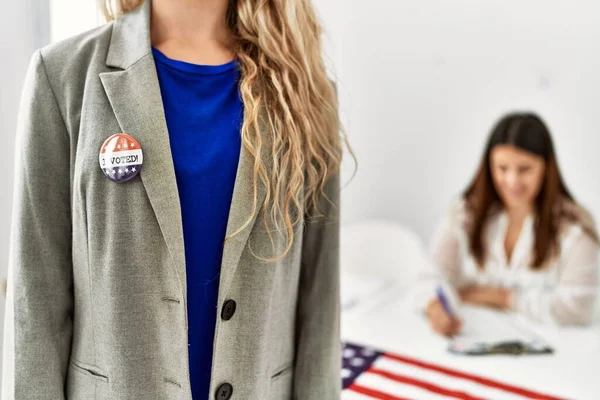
224 392
228 310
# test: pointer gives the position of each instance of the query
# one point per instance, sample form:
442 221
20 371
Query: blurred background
423 82
420 83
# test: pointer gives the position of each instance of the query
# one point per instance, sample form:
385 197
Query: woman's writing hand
441 322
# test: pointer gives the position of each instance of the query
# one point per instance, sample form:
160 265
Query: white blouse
563 292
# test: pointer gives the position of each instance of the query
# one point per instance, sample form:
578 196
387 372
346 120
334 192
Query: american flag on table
372 374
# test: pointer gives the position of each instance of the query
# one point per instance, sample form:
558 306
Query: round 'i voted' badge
121 157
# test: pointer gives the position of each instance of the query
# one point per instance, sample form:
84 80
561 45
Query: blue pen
444 300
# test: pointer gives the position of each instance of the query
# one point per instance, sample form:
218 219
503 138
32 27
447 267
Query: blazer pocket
89 370
282 383
282 370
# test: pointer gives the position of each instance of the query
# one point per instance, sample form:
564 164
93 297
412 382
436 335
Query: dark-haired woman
516 239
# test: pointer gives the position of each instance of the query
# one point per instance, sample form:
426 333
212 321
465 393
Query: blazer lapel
240 211
135 97
134 94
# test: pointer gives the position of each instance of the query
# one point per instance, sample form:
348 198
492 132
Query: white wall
70 17
422 82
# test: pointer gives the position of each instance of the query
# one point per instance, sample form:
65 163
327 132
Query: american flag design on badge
369 373
121 157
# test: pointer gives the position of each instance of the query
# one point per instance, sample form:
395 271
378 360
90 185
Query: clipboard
515 348
493 332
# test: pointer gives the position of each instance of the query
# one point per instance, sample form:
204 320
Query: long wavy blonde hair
285 89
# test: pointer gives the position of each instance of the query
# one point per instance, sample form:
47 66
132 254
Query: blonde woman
175 231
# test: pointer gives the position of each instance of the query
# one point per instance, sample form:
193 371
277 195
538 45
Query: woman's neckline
201 69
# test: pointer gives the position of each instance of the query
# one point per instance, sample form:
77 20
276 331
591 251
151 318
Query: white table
388 322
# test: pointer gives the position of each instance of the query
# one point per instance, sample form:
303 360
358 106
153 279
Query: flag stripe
394 388
484 381
425 385
449 382
373 393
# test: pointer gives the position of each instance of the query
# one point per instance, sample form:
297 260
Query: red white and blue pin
121 157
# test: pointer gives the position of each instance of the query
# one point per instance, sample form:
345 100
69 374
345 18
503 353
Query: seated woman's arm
444 261
445 252
442 269
572 301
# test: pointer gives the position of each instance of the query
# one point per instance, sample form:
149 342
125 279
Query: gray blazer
96 300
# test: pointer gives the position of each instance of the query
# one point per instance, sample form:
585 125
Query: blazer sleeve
39 306
318 343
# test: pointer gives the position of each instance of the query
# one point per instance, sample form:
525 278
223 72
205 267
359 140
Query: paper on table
488 331
491 326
